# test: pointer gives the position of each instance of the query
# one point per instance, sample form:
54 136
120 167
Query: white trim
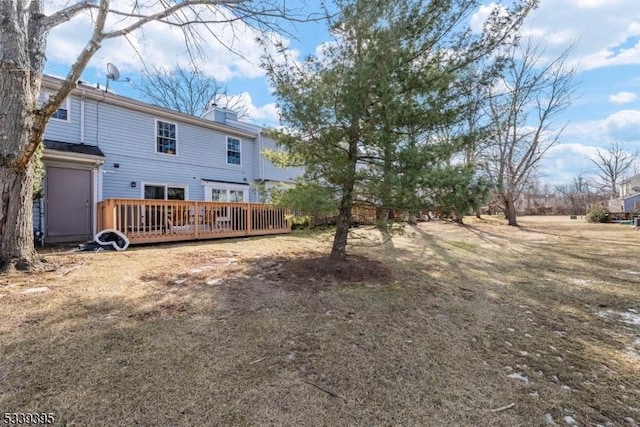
155 139
166 188
212 185
73 157
226 149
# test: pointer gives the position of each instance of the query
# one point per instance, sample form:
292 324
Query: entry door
68 204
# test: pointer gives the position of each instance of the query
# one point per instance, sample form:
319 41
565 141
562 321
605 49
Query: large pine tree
374 97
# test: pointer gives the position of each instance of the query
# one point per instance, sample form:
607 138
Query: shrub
597 214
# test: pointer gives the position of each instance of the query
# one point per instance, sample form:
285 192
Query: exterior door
68 204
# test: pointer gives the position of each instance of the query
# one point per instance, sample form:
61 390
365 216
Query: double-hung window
166 137
233 151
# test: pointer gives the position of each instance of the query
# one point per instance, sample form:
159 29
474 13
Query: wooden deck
150 221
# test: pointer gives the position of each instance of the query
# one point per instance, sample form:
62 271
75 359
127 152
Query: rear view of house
101 146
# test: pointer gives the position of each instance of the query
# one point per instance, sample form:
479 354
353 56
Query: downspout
82 124
261 157
261 165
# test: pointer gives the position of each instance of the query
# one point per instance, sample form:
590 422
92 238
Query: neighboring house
629 187
628 199
99 146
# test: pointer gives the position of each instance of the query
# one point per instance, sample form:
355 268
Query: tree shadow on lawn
247 350
266 340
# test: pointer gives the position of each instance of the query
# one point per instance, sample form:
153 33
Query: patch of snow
580 282
534 394
553 348
570 420
519 376
511 330
555 378
213 282
560 359
508 344
35 290
630 317
633 273
548 419
632 310
630 421
524 353
566 387
528 335
181 281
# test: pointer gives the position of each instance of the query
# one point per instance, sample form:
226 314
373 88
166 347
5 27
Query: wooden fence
148 221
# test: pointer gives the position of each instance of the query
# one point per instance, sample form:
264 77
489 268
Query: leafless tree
187 90
611 166
24 28
523 106
578 195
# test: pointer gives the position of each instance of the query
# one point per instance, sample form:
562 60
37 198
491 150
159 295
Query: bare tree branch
611 166
522 111
66 14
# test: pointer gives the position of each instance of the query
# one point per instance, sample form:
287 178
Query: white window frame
66 105
166 189
208 186
155 140
226 149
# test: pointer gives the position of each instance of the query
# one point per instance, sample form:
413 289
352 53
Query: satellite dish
112 72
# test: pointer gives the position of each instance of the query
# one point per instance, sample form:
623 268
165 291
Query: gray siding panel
66 131
128 138
629 203
274 173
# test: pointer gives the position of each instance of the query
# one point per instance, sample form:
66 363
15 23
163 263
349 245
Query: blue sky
606 35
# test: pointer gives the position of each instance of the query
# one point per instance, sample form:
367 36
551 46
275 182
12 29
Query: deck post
196 219
247 229
109 216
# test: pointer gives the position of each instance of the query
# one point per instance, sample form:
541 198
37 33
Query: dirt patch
312 271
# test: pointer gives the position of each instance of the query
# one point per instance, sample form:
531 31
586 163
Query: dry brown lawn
442 325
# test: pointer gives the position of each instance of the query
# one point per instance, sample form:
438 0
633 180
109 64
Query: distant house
628 199
99 146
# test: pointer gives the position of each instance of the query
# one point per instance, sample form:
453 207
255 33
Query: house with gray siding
100 145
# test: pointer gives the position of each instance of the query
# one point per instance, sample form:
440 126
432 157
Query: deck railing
148 221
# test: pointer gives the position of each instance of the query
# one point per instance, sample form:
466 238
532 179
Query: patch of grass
423 327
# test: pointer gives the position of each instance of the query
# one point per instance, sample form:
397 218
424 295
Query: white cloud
623 97
266 114
231 50
623 125
563 162
604 31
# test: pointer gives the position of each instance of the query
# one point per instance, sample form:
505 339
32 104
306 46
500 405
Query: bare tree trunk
16 219
339 249
510 208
